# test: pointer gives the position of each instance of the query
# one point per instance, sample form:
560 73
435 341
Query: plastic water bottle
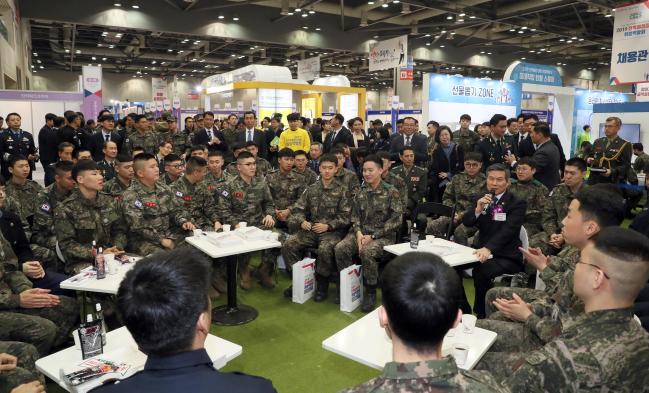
414 236
100 316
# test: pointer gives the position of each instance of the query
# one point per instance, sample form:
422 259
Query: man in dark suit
339 134
48 142
499 217
546 156
106 133
210 136
526 147
170 319
253 134
409 137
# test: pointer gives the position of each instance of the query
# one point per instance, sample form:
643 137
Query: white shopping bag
303 280
351 288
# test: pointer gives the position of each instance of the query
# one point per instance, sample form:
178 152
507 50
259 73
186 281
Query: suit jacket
547 164
343 136
48 144
439 163
259 137
97 144
201 138
501 237
418 142
525 148
562 155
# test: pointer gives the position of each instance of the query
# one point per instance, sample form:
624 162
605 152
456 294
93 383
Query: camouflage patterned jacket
149 141
310 177
603 351
462 190
263 168
115 188
436 376
12 280
180 142
240 201
285 188
468 142
25 196
329 205
350 179
556 207
197 201
151 214
79 221
417 184
43 227
377 212
400 184
535 193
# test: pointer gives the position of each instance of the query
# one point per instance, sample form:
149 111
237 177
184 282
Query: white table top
109 285
461 255
215 251
220 351
364 341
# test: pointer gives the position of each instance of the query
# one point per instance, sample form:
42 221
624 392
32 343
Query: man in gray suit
409 137
546 156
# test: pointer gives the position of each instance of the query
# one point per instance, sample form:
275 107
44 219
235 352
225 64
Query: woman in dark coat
447 161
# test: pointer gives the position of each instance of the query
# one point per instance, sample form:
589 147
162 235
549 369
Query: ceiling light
548 51
111 46
524 28
562 40
117 4
574 38
453 33
520 32
221 16
460 21
305 14
146 67
317 29
512 30
311 12
443 31
305 27
581 39
488 53
298 9
194 59
201 61
472 17
603 48
523 58
99 45
32 66
289 13
482 52
427 35
139 72
569 42
450 17
196 42
462 14
235 18
608 15
233 55
532 29
441 46
370 2
170 50
135 6
180 51
94 58
104 34
118 35
385 5
41 67
78 52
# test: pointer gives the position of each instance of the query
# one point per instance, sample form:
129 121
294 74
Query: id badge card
500 216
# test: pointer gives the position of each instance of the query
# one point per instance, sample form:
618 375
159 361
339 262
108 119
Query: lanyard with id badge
498 213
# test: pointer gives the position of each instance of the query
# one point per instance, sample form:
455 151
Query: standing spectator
338 134
431 128
14 140
611 155
210 136
447 161
464 136
48 142
409 137
105 134
253 134
316 130
642 159
294 138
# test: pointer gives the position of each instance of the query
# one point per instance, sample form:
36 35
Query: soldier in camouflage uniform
302 167
230 134
263 166
464 136
604 349
532 191
322 216
43 241
411 284
179 139
344 175
555 207
460 192
116 186
174 167
247 198
143 137
21 189
88 215
392 179
153 215
216 177
285 187
416 179
20 370
193 195
377 211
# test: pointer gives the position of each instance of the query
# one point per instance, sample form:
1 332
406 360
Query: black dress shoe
288 292
369 302
320 295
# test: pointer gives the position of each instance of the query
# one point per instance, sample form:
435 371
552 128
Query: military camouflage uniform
436 376
180 142
285 190
431 144
24 195
641 162
535 194
149 141
115 188
460 192
263 168
230 135
107 169
150 215
25 370
376 212
329 205
79 221
602 351
310 177
555 209
468 141
43 327
350 179
197 201
43 241
400 184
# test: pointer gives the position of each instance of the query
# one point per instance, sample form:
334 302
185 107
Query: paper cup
468 323
226 228
111 263
198 232
460 353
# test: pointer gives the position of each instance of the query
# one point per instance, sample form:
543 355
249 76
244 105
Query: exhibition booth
634 115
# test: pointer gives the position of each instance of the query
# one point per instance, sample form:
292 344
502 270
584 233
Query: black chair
437 209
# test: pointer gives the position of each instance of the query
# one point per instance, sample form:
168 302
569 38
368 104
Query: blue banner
457 89
538 74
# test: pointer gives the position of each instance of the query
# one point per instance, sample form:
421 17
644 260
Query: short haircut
60 167
165 142
578 163
140 159
161 299
543 128
252 143
383 155
617 120
63 145
433 123
405 148
286 152
75 152
497 118
339 117
122 158
293 117
465 117
105 144
586 127
139 117
193 163
208 113
399 121
250 113
410 118
13 114
59 121
216 153
603 204
421 295
527 116
498 168
71 116
244 155
172 158
511 120
377 122
331 158
231 115
638 146
529 161
316 143
106 117
197 148
238 145
473 156
14 158
300 153
50 116
84 166
337 150
375 159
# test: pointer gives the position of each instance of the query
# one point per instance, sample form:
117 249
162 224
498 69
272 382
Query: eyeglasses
471 164
596 267
177 166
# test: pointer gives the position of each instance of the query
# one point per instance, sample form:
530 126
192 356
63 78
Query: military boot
322 288
244 274
369 300
336 281
265 272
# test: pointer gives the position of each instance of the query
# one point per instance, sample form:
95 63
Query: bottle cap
98 307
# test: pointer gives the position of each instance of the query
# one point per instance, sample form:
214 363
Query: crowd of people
141 185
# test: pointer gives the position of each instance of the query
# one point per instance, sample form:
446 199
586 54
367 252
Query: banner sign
308 69
389 54
642 92
630 54
159 89
538 74
92 99
451 88
405 73
166 105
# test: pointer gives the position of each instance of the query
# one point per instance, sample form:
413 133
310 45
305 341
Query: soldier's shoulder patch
179 194
225 193
46 207
138 204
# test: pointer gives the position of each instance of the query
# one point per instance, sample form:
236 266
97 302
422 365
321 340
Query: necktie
249 136
408 140
107 137
209 133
